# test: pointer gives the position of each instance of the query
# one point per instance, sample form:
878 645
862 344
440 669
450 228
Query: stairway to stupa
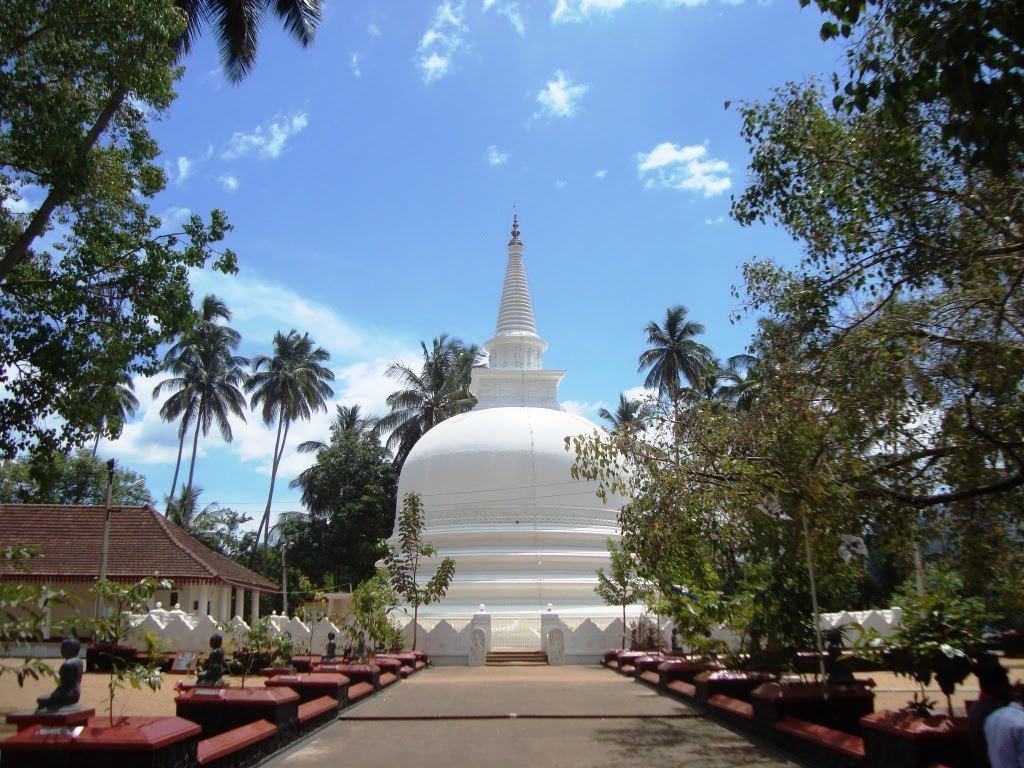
516 657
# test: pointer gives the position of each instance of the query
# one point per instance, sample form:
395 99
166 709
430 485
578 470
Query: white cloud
561 184
184 169
600 174
586 410
228 182
440 43
510 11
560 97
353 64
268 140
579 10
669 166
373 31
715 221
495 156
174 217
18 204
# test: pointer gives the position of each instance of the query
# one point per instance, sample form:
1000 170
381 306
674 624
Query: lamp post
106 533
105 552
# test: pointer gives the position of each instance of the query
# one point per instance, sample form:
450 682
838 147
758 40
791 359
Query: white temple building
498 495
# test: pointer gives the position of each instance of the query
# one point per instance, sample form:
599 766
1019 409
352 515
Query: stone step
516 657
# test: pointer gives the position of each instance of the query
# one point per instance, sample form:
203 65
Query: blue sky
371 181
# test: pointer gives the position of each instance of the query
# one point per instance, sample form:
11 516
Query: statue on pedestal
213 671
331 650
69 691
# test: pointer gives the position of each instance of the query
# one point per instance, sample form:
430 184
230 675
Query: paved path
524 717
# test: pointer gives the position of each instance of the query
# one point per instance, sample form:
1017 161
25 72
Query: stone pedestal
65 717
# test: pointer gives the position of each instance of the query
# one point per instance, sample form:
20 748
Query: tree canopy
86 298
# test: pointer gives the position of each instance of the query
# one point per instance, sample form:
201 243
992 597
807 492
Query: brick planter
133 742
684 670
905 740
841 710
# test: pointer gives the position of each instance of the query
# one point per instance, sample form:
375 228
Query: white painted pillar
240 604
255 607
204 600
224 611
185 598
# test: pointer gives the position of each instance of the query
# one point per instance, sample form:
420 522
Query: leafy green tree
372 601
440 390
92 304
287 386
902 319
961 58
674 354
350 492
57 478
205 380
403 562
621 586
54 39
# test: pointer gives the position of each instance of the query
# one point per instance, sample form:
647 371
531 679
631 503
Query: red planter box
314 685
841 709
905 739
133 742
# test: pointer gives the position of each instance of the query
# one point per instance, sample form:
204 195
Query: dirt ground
891 692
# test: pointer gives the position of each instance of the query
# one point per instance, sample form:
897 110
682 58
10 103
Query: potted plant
939 639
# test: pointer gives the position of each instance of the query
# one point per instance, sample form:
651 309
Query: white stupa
496 485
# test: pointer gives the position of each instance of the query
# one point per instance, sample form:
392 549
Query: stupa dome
496 483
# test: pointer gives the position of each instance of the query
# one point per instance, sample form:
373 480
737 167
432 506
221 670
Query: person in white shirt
1004 733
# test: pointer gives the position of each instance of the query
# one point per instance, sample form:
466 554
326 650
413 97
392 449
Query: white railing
515 633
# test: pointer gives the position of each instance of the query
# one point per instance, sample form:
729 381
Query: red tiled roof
142 541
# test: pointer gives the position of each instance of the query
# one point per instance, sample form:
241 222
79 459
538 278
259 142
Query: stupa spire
515 374
515 315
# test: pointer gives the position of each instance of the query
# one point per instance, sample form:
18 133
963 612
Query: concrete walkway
524 717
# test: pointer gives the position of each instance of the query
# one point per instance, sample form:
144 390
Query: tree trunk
192 467
177 467
623 626
415 622
59 195
282 424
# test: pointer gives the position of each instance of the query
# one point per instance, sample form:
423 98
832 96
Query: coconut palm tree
123 406
347 418
743 381
440 390
674 355
289 385
182 356
236 24
628 417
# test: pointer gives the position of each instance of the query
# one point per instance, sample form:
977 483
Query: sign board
185 661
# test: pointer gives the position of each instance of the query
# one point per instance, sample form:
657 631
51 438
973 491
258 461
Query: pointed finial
515 230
